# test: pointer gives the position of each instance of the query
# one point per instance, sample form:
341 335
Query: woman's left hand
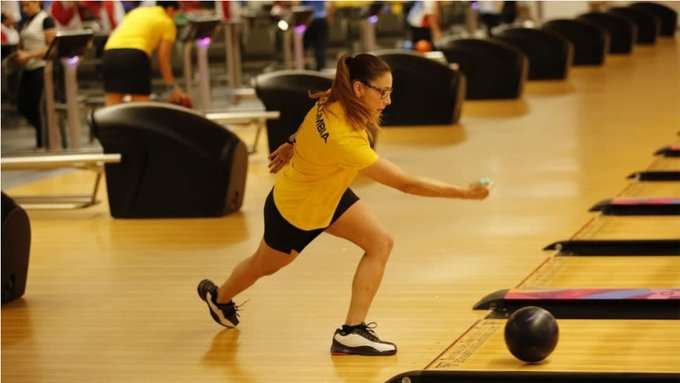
280 157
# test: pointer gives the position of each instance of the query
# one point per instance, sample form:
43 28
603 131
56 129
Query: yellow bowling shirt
143 28
328 155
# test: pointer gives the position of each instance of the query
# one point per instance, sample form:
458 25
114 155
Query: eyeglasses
384 92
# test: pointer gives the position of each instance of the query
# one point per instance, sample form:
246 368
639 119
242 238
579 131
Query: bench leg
256 141
53 202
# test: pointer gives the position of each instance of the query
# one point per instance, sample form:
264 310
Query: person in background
489 14
35 35
98 16
9 84
509 12
317 33
129 5
128 51
423 20
10 36
11 8
495 13
228 10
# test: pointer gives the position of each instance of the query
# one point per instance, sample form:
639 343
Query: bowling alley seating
432 99
622 31
175 163
492 68
647 23
667 16
16 247
288 92
590 41
426 92
550 55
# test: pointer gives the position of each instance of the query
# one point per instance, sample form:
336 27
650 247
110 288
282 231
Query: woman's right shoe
360 340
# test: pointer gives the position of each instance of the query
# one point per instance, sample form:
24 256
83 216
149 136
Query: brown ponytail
365 68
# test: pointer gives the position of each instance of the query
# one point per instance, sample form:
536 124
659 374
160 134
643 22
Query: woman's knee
381 246
388 241
268 263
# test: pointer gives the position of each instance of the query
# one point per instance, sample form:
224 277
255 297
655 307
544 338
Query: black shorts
280 235
126 71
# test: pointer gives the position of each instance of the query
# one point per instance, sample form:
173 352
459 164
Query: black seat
288 93
16 248
492 68
426 92
550 55
622 31
591 42
175 163
667 16
648 24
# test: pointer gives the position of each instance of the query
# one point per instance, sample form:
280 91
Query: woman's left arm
280 157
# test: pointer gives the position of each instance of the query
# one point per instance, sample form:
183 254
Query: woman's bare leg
265 261
361 226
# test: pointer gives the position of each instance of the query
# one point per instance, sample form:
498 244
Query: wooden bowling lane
665 164
605 272
114 300
651 189
584 345
630 227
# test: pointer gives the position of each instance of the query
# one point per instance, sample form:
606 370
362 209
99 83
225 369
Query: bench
257 118
85 161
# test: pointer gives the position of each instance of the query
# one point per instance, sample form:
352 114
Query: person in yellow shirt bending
127 54
311 195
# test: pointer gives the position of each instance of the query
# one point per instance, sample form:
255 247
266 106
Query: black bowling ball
531 334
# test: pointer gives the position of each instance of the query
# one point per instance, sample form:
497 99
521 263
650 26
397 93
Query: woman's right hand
477 190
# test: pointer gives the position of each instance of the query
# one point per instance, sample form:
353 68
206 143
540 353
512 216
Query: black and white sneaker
360 340
225 314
